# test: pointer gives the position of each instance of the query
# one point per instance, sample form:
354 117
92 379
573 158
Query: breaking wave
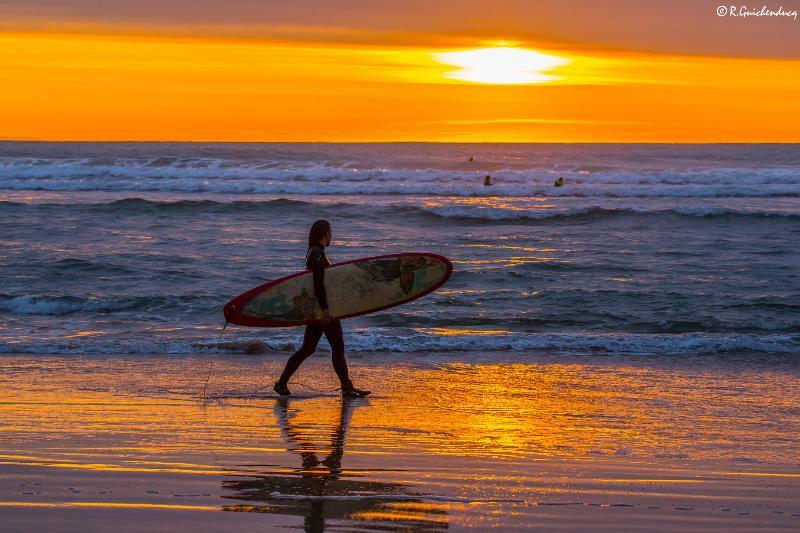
440 209
223 176
422 341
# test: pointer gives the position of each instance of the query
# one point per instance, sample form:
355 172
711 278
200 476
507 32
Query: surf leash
228 316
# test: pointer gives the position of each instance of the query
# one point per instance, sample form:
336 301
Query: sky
451 70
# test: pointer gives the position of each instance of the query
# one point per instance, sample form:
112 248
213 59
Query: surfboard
353 288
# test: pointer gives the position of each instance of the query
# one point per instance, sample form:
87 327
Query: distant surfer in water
487 181
318 238
559 182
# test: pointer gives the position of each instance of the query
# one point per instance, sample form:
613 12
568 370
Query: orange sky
106 81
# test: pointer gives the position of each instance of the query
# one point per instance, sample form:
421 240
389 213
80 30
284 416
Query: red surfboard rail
233 314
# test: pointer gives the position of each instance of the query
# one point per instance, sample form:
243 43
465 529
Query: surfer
559 182
318 238
487 181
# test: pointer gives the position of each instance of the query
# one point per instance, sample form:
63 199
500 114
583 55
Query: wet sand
125 443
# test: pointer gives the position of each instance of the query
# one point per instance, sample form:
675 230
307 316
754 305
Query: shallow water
499 406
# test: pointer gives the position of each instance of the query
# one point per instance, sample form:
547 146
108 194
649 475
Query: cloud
526 120
675 26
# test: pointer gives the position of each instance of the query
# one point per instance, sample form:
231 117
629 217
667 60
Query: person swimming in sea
559 182
487 181
319 237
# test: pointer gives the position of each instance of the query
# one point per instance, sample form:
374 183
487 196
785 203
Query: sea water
646 250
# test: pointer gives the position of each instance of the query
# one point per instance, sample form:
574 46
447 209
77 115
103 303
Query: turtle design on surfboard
303 307
401 268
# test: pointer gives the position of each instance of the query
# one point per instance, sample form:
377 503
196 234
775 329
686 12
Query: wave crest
422 342
593 212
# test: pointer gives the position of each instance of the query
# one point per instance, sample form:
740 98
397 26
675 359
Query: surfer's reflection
321 491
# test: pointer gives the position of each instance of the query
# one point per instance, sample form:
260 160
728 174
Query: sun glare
502 65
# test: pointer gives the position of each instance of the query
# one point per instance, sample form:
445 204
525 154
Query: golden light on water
453 332
501 65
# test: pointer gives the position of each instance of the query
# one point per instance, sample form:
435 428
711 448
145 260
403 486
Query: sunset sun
501 65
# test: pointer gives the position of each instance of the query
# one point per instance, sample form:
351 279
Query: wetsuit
317 262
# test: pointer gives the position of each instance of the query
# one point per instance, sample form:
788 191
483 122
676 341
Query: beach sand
126 443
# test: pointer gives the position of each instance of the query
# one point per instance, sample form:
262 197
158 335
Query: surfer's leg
310 340
333 332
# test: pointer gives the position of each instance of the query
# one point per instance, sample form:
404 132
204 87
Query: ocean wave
440 209
488 213
140 205
34 304
205 309
579 343
591 319
430 341
135 204
199 175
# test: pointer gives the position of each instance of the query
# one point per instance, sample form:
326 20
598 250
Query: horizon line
9 140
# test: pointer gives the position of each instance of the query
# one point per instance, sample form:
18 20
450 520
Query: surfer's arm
318 271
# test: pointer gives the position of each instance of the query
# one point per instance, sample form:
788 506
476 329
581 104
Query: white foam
35 304
40 305
386 340
299 177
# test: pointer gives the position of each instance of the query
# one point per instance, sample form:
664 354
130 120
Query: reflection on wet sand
321 490
553 443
